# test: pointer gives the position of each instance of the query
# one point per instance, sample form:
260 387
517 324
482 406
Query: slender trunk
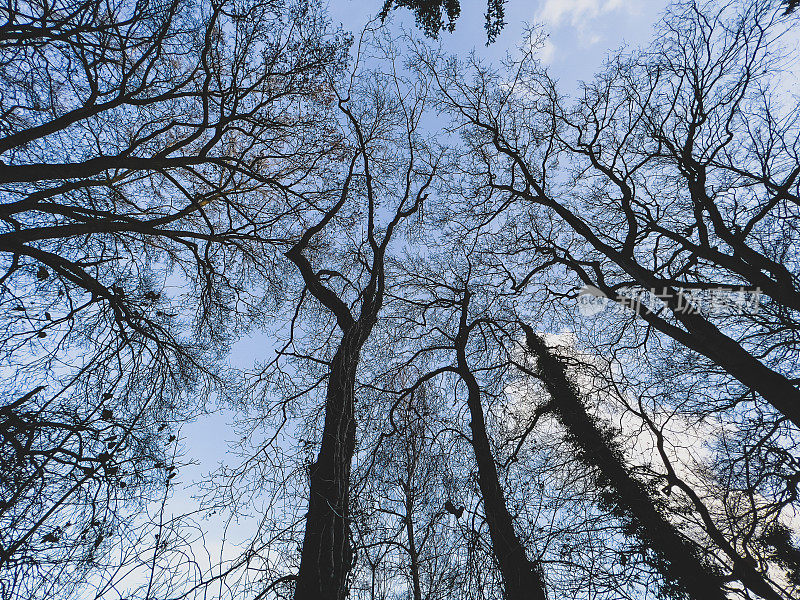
677 558
327 554
412 550
521 577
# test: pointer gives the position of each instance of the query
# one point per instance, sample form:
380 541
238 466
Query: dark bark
93 166
774 387
413 553
327 552
699 334
676 557
521 576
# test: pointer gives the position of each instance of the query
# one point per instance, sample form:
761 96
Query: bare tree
175 174
407 523
327 554
348 221
146 146
522 577
680 114
608 220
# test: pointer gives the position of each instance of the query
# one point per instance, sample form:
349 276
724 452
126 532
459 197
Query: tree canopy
435 16
499 341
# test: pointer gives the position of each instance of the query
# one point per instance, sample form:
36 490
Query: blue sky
581 32
580 35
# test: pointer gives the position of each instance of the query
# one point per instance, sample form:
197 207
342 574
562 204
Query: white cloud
577 12
546 51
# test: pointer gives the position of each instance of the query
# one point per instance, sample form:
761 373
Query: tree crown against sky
426 410
135 139
430 14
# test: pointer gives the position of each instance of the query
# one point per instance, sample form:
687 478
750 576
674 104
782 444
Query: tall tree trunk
521 577
677 558
413 553
327 554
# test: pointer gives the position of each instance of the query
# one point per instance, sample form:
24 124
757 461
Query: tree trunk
774 387
520 576
327 554
701 335
413 553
